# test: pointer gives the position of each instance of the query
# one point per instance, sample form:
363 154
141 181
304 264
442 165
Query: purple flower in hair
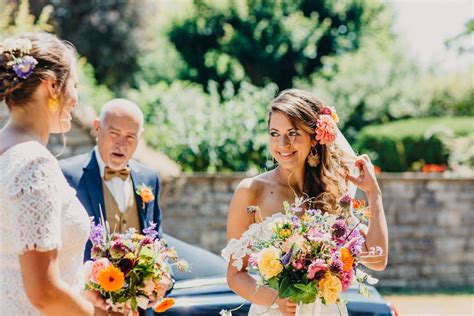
24 66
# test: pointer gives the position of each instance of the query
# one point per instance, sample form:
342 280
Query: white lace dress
38 210
238 249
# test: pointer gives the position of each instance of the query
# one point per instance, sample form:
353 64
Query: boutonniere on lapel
145 193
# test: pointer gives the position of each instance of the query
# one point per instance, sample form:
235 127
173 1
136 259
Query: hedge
399 145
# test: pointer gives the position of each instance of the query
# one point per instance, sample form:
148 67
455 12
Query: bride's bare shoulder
254 186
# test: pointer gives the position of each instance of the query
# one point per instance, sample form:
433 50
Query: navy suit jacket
83 174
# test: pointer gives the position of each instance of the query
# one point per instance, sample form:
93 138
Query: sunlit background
400 74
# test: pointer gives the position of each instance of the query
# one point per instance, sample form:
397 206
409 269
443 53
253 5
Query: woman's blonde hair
325 183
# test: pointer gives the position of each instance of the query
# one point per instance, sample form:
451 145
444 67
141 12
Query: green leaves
296 292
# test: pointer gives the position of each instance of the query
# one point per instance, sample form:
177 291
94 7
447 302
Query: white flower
371 280
182 265
225 312
142 302
22 44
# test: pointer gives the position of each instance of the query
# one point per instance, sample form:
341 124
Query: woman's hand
366 181
96 300
286 307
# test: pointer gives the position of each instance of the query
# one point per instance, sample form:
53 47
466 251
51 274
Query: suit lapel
94 187
137 179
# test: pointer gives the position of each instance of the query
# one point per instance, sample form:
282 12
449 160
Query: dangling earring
313 157
53 104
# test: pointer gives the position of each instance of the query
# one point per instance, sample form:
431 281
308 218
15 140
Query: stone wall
430 219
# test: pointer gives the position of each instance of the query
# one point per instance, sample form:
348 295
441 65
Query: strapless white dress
315 309
238 249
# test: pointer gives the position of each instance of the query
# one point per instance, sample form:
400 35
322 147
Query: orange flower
326 129
377 169
358 203
146 193
346 259
164 305
434 168
111 279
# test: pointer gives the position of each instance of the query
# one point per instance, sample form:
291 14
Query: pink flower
346 279
298 264
98 266
326 129
317 266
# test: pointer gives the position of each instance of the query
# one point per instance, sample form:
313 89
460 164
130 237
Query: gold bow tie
122 173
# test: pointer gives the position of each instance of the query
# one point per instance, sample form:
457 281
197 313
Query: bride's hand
366 181
286 307
95 298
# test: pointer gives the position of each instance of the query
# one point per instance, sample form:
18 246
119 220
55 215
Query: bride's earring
53 104
313 157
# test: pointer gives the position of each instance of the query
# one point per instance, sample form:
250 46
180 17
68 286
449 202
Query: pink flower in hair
326 129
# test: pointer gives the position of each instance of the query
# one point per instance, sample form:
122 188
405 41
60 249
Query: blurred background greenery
204 73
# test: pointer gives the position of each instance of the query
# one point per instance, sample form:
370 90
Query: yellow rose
330 287
269 263
285 232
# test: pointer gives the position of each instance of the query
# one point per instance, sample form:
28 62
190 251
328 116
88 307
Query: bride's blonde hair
325 183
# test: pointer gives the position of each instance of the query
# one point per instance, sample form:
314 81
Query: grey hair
125 105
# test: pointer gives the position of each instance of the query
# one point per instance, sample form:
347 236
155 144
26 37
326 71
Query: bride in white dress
43 227
314 163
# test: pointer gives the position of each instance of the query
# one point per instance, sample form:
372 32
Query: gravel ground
432 305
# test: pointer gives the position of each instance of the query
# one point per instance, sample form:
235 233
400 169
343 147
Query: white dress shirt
121 189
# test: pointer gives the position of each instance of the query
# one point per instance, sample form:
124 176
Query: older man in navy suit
108 182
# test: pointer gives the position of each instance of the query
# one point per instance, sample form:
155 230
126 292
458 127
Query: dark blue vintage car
204 290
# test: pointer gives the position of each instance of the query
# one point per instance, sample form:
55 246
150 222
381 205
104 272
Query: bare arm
240 281
377 234
45 289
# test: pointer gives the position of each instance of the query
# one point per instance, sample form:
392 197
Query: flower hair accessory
145 193
22 62
326 125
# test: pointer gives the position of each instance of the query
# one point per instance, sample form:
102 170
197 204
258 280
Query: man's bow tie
122 173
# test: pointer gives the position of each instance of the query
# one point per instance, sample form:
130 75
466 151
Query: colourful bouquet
127 268
308 255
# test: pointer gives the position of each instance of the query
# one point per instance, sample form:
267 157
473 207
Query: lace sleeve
36 206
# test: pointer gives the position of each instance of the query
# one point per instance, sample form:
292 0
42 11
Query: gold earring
313 157
53 104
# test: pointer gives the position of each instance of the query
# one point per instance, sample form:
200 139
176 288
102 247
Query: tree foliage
267 41
106 32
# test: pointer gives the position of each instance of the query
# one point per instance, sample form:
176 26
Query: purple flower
296 209
286 258
150 231
339 228
355 245
117 250
345 201
296 221
24 66
314 235
97 234
336 266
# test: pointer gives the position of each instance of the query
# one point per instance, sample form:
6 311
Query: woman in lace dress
309 165
43 227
